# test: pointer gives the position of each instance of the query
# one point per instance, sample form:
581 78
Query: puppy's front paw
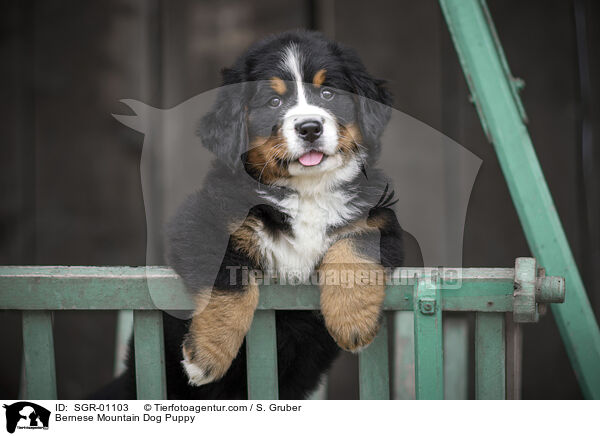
216 333
352 315
351 296
198 370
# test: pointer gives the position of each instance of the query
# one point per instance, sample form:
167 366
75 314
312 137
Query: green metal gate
489 292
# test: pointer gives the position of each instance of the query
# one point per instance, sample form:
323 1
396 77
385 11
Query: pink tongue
311 158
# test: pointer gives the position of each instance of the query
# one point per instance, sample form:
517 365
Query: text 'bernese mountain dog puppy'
296 130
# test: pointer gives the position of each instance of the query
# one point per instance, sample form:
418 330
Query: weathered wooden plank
456 357
261 357
373 367
429 360
490 368
404 356
148 340
38 351
118 288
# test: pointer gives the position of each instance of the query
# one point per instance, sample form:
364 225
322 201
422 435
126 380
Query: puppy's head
296 106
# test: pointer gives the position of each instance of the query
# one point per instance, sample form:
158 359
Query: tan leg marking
216 333
352 295
362 226
245 238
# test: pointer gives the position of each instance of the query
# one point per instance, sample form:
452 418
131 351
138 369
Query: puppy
294 194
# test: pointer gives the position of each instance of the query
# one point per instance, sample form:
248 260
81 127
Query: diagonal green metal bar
500 111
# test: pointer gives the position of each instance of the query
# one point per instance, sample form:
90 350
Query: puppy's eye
327 94
274 102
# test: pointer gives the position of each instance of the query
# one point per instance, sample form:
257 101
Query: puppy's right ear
223 130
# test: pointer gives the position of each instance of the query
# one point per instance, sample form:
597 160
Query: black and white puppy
294 192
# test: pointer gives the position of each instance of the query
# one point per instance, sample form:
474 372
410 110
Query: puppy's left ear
373 99
223 130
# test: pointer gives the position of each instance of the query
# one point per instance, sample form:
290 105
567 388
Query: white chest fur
295 256
317 203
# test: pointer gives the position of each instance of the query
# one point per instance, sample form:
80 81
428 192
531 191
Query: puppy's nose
309 130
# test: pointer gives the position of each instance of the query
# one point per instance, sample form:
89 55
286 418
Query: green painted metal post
429 360
149 347
261 357
373 367
490 356
38 351
502 116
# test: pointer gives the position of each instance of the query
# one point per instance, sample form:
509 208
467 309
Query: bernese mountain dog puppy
296 130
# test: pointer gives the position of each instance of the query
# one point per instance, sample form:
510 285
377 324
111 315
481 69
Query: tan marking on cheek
349 136
352 293
319 77
263 160
278 85
218 328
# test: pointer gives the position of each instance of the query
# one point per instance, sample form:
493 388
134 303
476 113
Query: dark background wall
69 173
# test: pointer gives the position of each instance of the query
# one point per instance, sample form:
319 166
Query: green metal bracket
533 290
524 305
502 116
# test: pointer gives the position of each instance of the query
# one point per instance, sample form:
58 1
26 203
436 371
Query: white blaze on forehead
292 62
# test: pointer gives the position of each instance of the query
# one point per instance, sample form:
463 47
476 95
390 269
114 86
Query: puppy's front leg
352 293
353 283
224 314
216 333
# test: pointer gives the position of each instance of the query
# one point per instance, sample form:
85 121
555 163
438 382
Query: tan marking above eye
278 85
319 77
